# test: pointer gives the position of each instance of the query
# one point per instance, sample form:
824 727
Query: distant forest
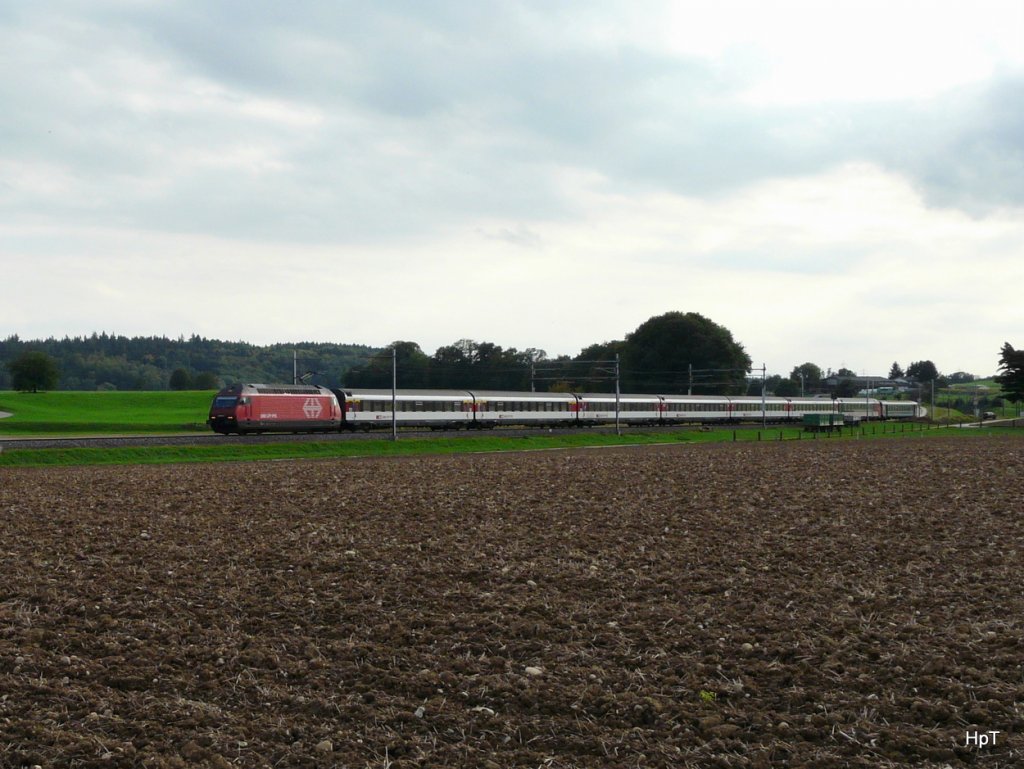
674 352
105 362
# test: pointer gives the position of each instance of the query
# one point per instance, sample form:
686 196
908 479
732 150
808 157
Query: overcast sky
838 182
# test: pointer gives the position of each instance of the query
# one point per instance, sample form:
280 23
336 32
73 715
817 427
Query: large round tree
658 356
33 371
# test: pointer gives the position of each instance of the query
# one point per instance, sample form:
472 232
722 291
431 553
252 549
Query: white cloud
867 50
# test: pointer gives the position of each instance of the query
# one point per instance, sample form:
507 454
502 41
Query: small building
861 382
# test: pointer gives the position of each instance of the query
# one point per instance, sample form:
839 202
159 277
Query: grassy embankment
984 390
67 414
103 413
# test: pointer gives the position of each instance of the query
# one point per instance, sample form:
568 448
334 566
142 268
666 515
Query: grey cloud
432 114
521 236
975 159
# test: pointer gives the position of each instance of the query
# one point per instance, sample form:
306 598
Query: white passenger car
694 408
493 408
902 410
599 408
862 408
754 408
365 409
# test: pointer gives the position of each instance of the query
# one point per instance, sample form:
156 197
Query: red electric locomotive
255 408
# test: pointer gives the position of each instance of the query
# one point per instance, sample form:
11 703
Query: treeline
675 352
112 362
468 364
464 364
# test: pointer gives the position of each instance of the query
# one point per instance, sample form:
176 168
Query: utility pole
689 389
618 429
295 367
394 393
764 412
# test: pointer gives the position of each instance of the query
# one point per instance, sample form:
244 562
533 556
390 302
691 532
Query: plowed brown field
818 604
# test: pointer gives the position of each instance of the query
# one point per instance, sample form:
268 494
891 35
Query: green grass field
988 392
103 413
325 449
487 442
